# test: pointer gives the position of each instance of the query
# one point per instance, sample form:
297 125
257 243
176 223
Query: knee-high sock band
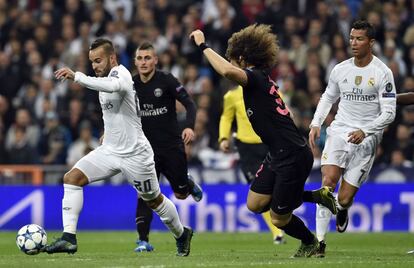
72 204
297 229
169 216
323 218
143 220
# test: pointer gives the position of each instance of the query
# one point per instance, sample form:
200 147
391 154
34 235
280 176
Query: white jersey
123 135
367 98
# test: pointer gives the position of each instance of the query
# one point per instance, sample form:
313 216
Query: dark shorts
172 163
283 176
251 157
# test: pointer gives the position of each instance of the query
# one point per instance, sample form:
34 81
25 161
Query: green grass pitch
115 249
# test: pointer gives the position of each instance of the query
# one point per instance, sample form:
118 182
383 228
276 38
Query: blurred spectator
80 46
344 20
409 60
76 9
30 131
19 150
297 52
251 8
6 115
46 99
3 152
302 8
369 6
54 141
398 159
408 84
392 53
192 81
113 6
321 48
12 66
98 20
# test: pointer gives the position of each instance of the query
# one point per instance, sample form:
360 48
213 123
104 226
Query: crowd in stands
45 121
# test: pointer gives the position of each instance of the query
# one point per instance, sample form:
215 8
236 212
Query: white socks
72 204
71 207
323 217
169 216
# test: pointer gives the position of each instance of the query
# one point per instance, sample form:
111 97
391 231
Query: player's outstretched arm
221 65
106 84
405 98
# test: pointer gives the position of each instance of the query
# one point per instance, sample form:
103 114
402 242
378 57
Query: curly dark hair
256 44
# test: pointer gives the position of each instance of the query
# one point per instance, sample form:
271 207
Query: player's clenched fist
198 37
65 73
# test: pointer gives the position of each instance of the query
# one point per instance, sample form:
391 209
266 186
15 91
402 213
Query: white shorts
138 169
356 160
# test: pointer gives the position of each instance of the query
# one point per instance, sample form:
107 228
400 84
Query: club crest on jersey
358 80
371 82
158 92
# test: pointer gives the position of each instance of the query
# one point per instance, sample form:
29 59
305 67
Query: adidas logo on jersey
345 81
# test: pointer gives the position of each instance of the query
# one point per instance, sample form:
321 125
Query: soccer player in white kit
367 101
124 150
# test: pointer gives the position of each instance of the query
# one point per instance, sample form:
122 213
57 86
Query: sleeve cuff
78 76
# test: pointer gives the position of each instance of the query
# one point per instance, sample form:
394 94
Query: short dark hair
146 45
256 44
365 25
105 43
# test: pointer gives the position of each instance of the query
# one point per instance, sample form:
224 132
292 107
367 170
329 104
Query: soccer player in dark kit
157 93
280 180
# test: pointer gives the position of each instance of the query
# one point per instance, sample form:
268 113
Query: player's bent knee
257 208
75 177
329 181
253 207
345 202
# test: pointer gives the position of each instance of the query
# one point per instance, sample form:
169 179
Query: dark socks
143 220
297 229
311 196
71 238
190 184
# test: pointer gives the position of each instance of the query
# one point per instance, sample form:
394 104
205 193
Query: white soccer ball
31 239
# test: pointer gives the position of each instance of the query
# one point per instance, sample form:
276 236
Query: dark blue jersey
269 115
157 100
